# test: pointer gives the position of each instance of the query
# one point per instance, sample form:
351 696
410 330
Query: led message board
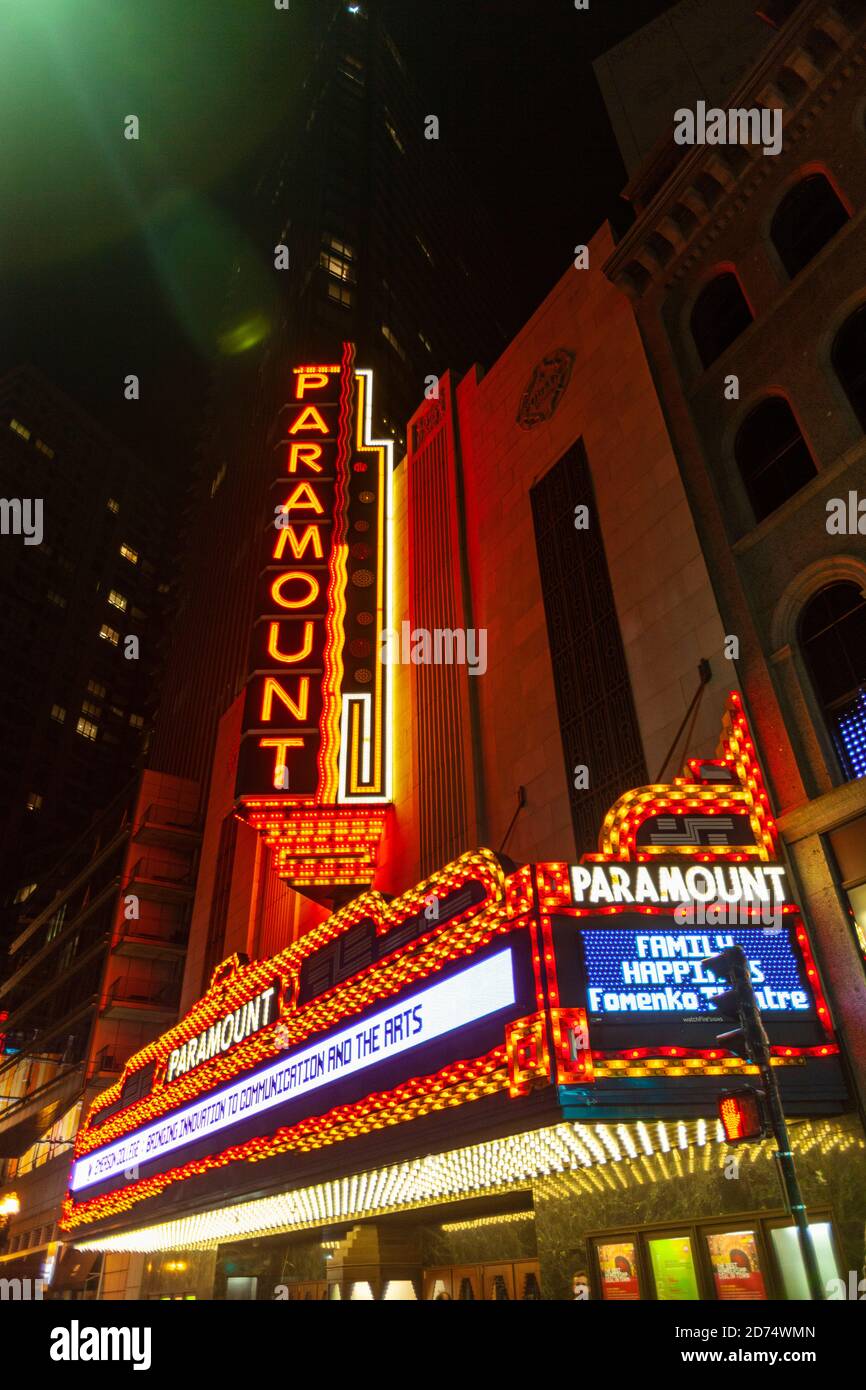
314 767
473 993
683 872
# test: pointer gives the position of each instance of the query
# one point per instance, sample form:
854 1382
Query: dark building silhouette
76 708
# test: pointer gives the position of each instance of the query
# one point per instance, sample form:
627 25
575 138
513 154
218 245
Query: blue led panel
658 971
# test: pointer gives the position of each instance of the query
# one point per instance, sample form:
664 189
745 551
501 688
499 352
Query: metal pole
789 1180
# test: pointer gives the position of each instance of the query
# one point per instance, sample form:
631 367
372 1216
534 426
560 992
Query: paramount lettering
220 1036
700 883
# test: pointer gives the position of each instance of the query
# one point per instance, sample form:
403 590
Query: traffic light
738 1005
741 1115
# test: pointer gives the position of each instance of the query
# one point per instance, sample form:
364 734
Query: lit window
396 345
117 600
17 426
113 505
136 721
395 52
57 599
340 294
97 688
87 729
425 340
88 707
425 248
395 137
336 266
24 892
34 801
342 248
129 554
58 713
44 449
833 641
217 480
352 68
109 634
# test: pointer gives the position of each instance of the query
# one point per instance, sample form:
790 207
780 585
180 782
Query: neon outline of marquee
524 898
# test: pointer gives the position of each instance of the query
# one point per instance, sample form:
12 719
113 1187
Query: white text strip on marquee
475 993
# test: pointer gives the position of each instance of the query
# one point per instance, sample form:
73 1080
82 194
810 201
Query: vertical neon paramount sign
314 769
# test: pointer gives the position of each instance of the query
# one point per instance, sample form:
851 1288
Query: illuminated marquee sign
314 768
750 887
220 1036
476 992
683 872
526 995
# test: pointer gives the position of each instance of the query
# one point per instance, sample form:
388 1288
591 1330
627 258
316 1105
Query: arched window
772 455
720 315
806 219
849 361
833 643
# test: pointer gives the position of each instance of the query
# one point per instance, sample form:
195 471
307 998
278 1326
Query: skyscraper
77 698
377 234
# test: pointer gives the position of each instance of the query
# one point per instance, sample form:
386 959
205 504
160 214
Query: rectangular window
58 713
786 1247
336 266
19 429
136 721
848 845
57 599
113 505
395 137
88 707
597 717
129 554
425 248
97 688
34 801
87 729
391 337
109 634
44 449
342 248
340 294
118 601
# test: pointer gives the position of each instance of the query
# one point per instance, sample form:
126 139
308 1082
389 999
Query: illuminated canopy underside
612 1156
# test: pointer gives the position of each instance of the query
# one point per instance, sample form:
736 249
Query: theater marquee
314 768
490 999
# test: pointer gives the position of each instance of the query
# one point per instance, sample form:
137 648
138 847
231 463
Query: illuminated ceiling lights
482 1169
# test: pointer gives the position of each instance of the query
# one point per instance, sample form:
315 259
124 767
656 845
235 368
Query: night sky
113 252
